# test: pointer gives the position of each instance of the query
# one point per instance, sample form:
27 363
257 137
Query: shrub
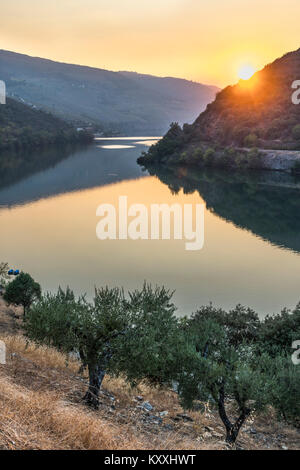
251 140
255 159
296 132
296 167
22 291
278 332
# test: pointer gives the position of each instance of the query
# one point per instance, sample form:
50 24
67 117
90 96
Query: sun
246 71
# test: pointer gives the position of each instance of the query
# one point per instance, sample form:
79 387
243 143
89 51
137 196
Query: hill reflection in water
265 203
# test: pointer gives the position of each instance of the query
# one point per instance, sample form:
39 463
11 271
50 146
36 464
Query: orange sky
202 40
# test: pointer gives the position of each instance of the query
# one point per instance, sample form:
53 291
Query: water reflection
116 147
48 228
61 171
265 203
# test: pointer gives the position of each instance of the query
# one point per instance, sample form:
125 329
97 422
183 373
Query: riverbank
205 155
280 160
40 406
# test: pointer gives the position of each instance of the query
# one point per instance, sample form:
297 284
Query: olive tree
75 325
109 334
23 290
227 376
154 342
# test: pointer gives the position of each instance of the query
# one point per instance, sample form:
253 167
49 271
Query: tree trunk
96 376
232 430
232 434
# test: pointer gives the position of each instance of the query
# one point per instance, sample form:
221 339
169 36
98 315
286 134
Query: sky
202 40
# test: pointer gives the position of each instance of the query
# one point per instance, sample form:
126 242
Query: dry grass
41 408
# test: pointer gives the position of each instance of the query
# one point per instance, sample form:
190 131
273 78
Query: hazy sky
203 40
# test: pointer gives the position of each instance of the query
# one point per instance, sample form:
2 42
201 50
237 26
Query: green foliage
202 156
209 156
171 143
236 358
296 132
25 128
74 325
241 324
277 333
232 360
255 159
285 393
113 334
296 168
251 140
220 371
23 290
150 350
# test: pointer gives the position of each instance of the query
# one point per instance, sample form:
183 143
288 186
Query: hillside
24 128
41 409
114 101
261 106
258 112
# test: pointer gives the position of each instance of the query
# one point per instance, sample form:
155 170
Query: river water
251 232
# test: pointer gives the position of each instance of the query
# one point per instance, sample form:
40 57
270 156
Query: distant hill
115 101
24 128
255 113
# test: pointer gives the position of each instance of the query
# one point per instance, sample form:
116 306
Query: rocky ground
280 160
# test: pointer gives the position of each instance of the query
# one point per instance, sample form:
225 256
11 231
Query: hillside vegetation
114 101
213 363
41 408
258 111
23 127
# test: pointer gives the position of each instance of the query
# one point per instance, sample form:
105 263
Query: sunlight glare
246 71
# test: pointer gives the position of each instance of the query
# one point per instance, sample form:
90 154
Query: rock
155 419
139 398
147 406
217 435
175 386
168 427
283 160
185 417
175 418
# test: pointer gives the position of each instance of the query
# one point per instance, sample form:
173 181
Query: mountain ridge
125 102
